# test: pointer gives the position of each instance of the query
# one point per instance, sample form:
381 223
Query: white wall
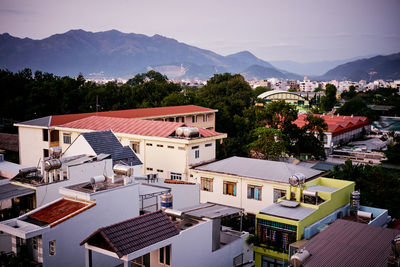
199 251
111 207
76 174
31 145
206 153
183 195
78 147
242 183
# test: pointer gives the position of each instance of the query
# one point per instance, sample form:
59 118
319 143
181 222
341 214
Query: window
230 188
149 144
54 136
176 176
135 147
45 135
160 146
165 255
45 153
278 193
206 117
149 169
35 243
194 119
52 248
254 192
171 147
159 170
197 154
206 184
276 234
208 145
181 147
195 147
67 138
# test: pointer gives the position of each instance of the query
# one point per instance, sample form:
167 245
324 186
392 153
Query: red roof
132 126
347 243
57 211
338 124
132 113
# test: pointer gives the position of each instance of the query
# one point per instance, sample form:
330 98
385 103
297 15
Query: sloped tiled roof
132 126
134 234
258 169
57 211
337 124
105 142
347 243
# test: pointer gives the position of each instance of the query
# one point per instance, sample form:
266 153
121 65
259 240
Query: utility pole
97 103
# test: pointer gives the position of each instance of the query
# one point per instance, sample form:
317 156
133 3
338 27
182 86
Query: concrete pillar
127 263
88 257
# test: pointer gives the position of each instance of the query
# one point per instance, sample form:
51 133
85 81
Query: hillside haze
116 54
374 68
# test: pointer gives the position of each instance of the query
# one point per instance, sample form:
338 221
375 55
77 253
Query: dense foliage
379 187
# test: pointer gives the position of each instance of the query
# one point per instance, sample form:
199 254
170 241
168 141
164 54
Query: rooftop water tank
166 201
191 131
123 170
52 164
296 179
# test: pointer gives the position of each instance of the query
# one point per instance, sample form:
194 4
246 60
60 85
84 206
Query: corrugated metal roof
132 126
56 120
105 142
337 124
133 113
43 122
131 235
9 191
298 213
346 243
211 211
259 169
57 211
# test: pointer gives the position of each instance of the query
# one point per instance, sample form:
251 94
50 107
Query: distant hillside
116 54
378 67
257 72
312 68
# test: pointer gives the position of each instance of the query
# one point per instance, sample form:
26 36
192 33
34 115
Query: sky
298 30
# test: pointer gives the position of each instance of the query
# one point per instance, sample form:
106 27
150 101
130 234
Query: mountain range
112 54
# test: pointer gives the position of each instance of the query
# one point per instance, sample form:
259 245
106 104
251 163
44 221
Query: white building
157 144
246 183
51 234
37 136
180 238
73 170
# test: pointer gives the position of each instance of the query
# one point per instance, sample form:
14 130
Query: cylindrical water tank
191 131
296 179
55 151
355 202
52 164
310 193
298 259
123 170
179 131
166 200
97 179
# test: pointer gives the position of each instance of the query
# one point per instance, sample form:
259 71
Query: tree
357 106
379 187
328 101
393 149
269 144
350 94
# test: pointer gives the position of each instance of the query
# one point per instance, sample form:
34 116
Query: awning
10 191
